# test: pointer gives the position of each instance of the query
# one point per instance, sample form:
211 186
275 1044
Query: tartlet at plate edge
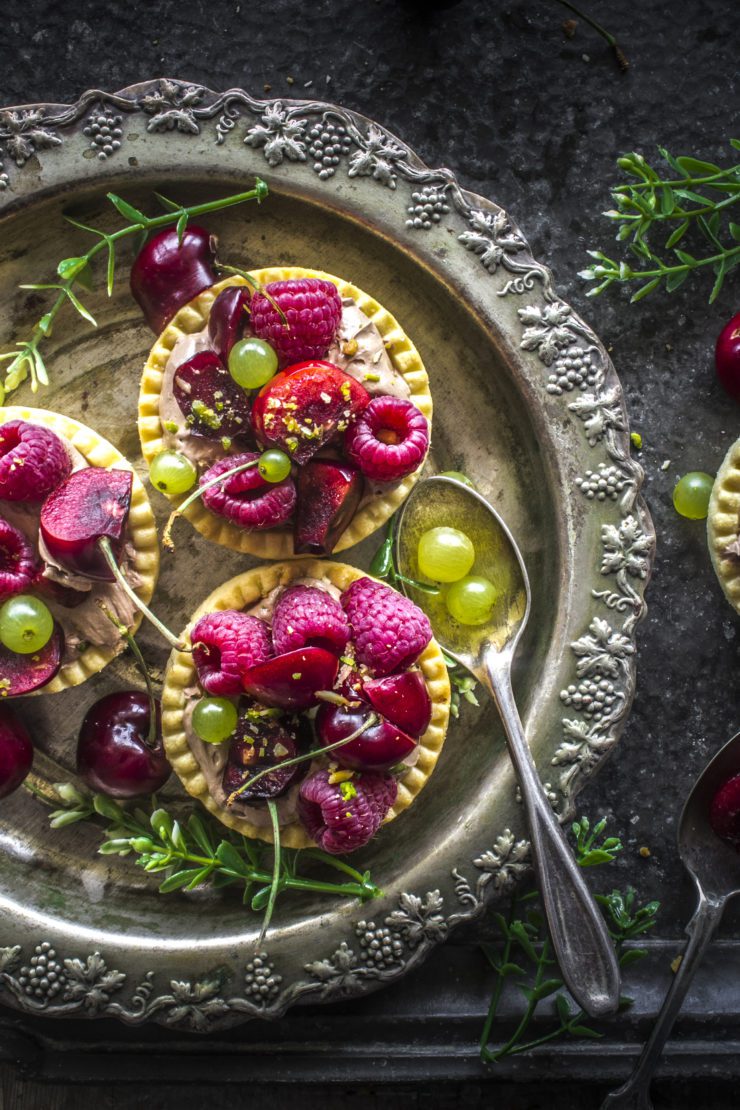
723 524
97 451
242 592
192 318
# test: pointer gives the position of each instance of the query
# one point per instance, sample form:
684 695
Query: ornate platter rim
304 137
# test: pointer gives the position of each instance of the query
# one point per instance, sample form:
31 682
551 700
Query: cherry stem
166 535
128 636
275 884
257 288
104 545
372 719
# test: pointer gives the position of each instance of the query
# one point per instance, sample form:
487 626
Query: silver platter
527 403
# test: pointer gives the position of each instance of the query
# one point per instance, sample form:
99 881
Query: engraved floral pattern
37 976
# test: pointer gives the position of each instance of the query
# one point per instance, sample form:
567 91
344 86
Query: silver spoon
580 938
714 866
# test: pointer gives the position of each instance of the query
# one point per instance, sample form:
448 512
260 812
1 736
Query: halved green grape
214 719
692 493
445 554
274 465
252 363
26 624
172 472
471 600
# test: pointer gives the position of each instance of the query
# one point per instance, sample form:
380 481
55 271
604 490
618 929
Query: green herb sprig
383 564
693 200
463 685
76 272
525 952
192 851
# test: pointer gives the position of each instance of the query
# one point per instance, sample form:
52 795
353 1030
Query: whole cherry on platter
727 357
170 270
16 752
118 751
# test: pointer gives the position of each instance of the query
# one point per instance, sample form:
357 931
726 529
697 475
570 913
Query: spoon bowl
580 938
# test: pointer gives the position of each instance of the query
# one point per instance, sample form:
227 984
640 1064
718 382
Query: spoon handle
634 1094
584 949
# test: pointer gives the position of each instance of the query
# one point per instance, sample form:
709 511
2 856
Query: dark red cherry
724 813
113 754
90 504
261 742
22 674
290 681
16 752
380 746
166 274
214 405
403 699
228 318
727 357
328 496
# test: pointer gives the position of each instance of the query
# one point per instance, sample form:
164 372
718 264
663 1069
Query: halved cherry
290 681
16 752
380 746
22 674
90 505
213 404
305 406
329 493
260 742
227 319
168 272
403 699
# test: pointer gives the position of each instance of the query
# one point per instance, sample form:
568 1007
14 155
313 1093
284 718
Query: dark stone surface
534 120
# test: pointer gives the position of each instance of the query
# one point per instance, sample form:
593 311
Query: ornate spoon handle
634 1094
580 938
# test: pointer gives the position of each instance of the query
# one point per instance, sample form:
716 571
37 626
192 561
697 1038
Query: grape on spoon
487 650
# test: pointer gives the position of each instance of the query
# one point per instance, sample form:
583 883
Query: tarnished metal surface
526 402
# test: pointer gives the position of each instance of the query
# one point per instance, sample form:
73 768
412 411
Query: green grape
274 465
445 554
692 493
172 472
252 363
214 719
458 474
26 625
471 600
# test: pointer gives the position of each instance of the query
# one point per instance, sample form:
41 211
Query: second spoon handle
583 947
634 1094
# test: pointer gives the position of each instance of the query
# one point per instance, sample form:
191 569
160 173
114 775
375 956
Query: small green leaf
114 848
177 837
167 204
718 282
631 956
197 830
382 562
44 324
510 968
161 822
106 807
693 167
201 875
644 290
735 231
227 854
177 880
40 367
673 281
69 268
182 223
667 200
60 818
519 933
585 1031
563 1008
260 899
111 269
595 856
127 210
677 234
81 308
544 990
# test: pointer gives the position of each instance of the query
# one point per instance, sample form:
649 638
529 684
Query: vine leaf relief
279 134
492 238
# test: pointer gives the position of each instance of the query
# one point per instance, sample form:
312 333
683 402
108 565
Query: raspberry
306 616
225 646
312 308
33 461
340 823
389 440
388 630
246 499
18 567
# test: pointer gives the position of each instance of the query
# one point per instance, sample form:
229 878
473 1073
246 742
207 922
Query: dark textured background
534 120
